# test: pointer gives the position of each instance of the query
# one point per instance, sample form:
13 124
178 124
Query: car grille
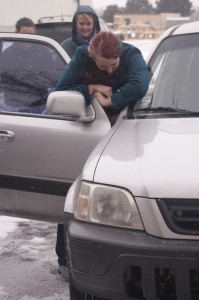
132 265
146 283
181 215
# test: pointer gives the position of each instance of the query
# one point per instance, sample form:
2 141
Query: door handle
6 136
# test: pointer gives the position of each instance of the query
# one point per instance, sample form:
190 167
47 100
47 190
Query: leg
63 273
60 246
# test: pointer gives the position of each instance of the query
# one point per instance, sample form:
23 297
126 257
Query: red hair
105 44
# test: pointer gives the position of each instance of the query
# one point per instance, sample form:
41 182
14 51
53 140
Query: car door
40 155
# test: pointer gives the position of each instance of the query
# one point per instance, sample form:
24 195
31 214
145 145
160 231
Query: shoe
63 273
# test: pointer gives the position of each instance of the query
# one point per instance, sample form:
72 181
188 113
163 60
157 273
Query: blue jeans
60 246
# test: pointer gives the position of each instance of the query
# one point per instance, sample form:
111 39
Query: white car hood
153 158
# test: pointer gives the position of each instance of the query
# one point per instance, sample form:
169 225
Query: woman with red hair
112 71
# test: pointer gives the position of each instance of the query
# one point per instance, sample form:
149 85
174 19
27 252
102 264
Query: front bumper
123 264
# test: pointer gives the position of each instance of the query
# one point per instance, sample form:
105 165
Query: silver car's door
40 155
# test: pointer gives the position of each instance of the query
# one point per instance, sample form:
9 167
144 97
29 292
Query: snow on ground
144 45
8 225
28 262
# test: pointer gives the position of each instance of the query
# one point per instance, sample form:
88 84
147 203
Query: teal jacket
129 82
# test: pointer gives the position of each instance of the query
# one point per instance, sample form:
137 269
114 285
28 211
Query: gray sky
104 3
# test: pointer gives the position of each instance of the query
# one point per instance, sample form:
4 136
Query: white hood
153 158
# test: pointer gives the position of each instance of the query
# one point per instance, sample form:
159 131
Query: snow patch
8 224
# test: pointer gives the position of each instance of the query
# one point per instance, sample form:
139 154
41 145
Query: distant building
134 26
12 10
176 21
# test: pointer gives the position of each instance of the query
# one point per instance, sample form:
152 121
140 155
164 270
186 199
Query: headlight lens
107 205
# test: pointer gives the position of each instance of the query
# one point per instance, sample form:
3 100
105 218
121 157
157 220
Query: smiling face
85 25
109 65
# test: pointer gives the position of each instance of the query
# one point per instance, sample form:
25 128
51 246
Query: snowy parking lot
28 263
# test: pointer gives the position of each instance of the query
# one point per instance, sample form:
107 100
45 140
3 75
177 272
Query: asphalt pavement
28 263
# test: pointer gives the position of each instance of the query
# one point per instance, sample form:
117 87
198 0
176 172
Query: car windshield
174 86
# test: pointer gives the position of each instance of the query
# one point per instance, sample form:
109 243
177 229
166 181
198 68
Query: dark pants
60 245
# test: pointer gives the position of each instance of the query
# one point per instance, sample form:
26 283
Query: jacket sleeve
69 47
137 79
74 73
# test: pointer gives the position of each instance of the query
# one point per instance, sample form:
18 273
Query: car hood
153 158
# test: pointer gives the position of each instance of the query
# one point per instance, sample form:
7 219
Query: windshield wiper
162 109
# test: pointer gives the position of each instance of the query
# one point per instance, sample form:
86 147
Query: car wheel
79 295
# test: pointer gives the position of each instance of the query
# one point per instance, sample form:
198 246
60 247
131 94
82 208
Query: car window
174 75
59 31
28 73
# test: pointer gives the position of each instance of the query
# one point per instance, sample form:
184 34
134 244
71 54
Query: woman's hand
104 101
103 89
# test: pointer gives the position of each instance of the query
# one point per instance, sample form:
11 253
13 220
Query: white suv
134 210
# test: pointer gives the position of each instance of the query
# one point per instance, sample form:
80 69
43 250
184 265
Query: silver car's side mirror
71 105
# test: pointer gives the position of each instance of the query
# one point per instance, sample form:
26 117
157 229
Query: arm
103 100
134 69
104 90
73 75
69 46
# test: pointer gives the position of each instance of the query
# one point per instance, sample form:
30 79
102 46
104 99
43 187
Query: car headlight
107 205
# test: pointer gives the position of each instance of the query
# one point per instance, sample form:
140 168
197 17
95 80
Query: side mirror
71 105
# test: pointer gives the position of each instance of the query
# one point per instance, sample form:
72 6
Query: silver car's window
174 84
28 73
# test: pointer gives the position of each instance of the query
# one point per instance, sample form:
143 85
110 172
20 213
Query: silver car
134 209
43 144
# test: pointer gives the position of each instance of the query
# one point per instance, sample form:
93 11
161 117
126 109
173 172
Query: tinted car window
58 31
28 73
175 73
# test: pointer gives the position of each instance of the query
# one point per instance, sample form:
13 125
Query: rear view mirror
70 104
